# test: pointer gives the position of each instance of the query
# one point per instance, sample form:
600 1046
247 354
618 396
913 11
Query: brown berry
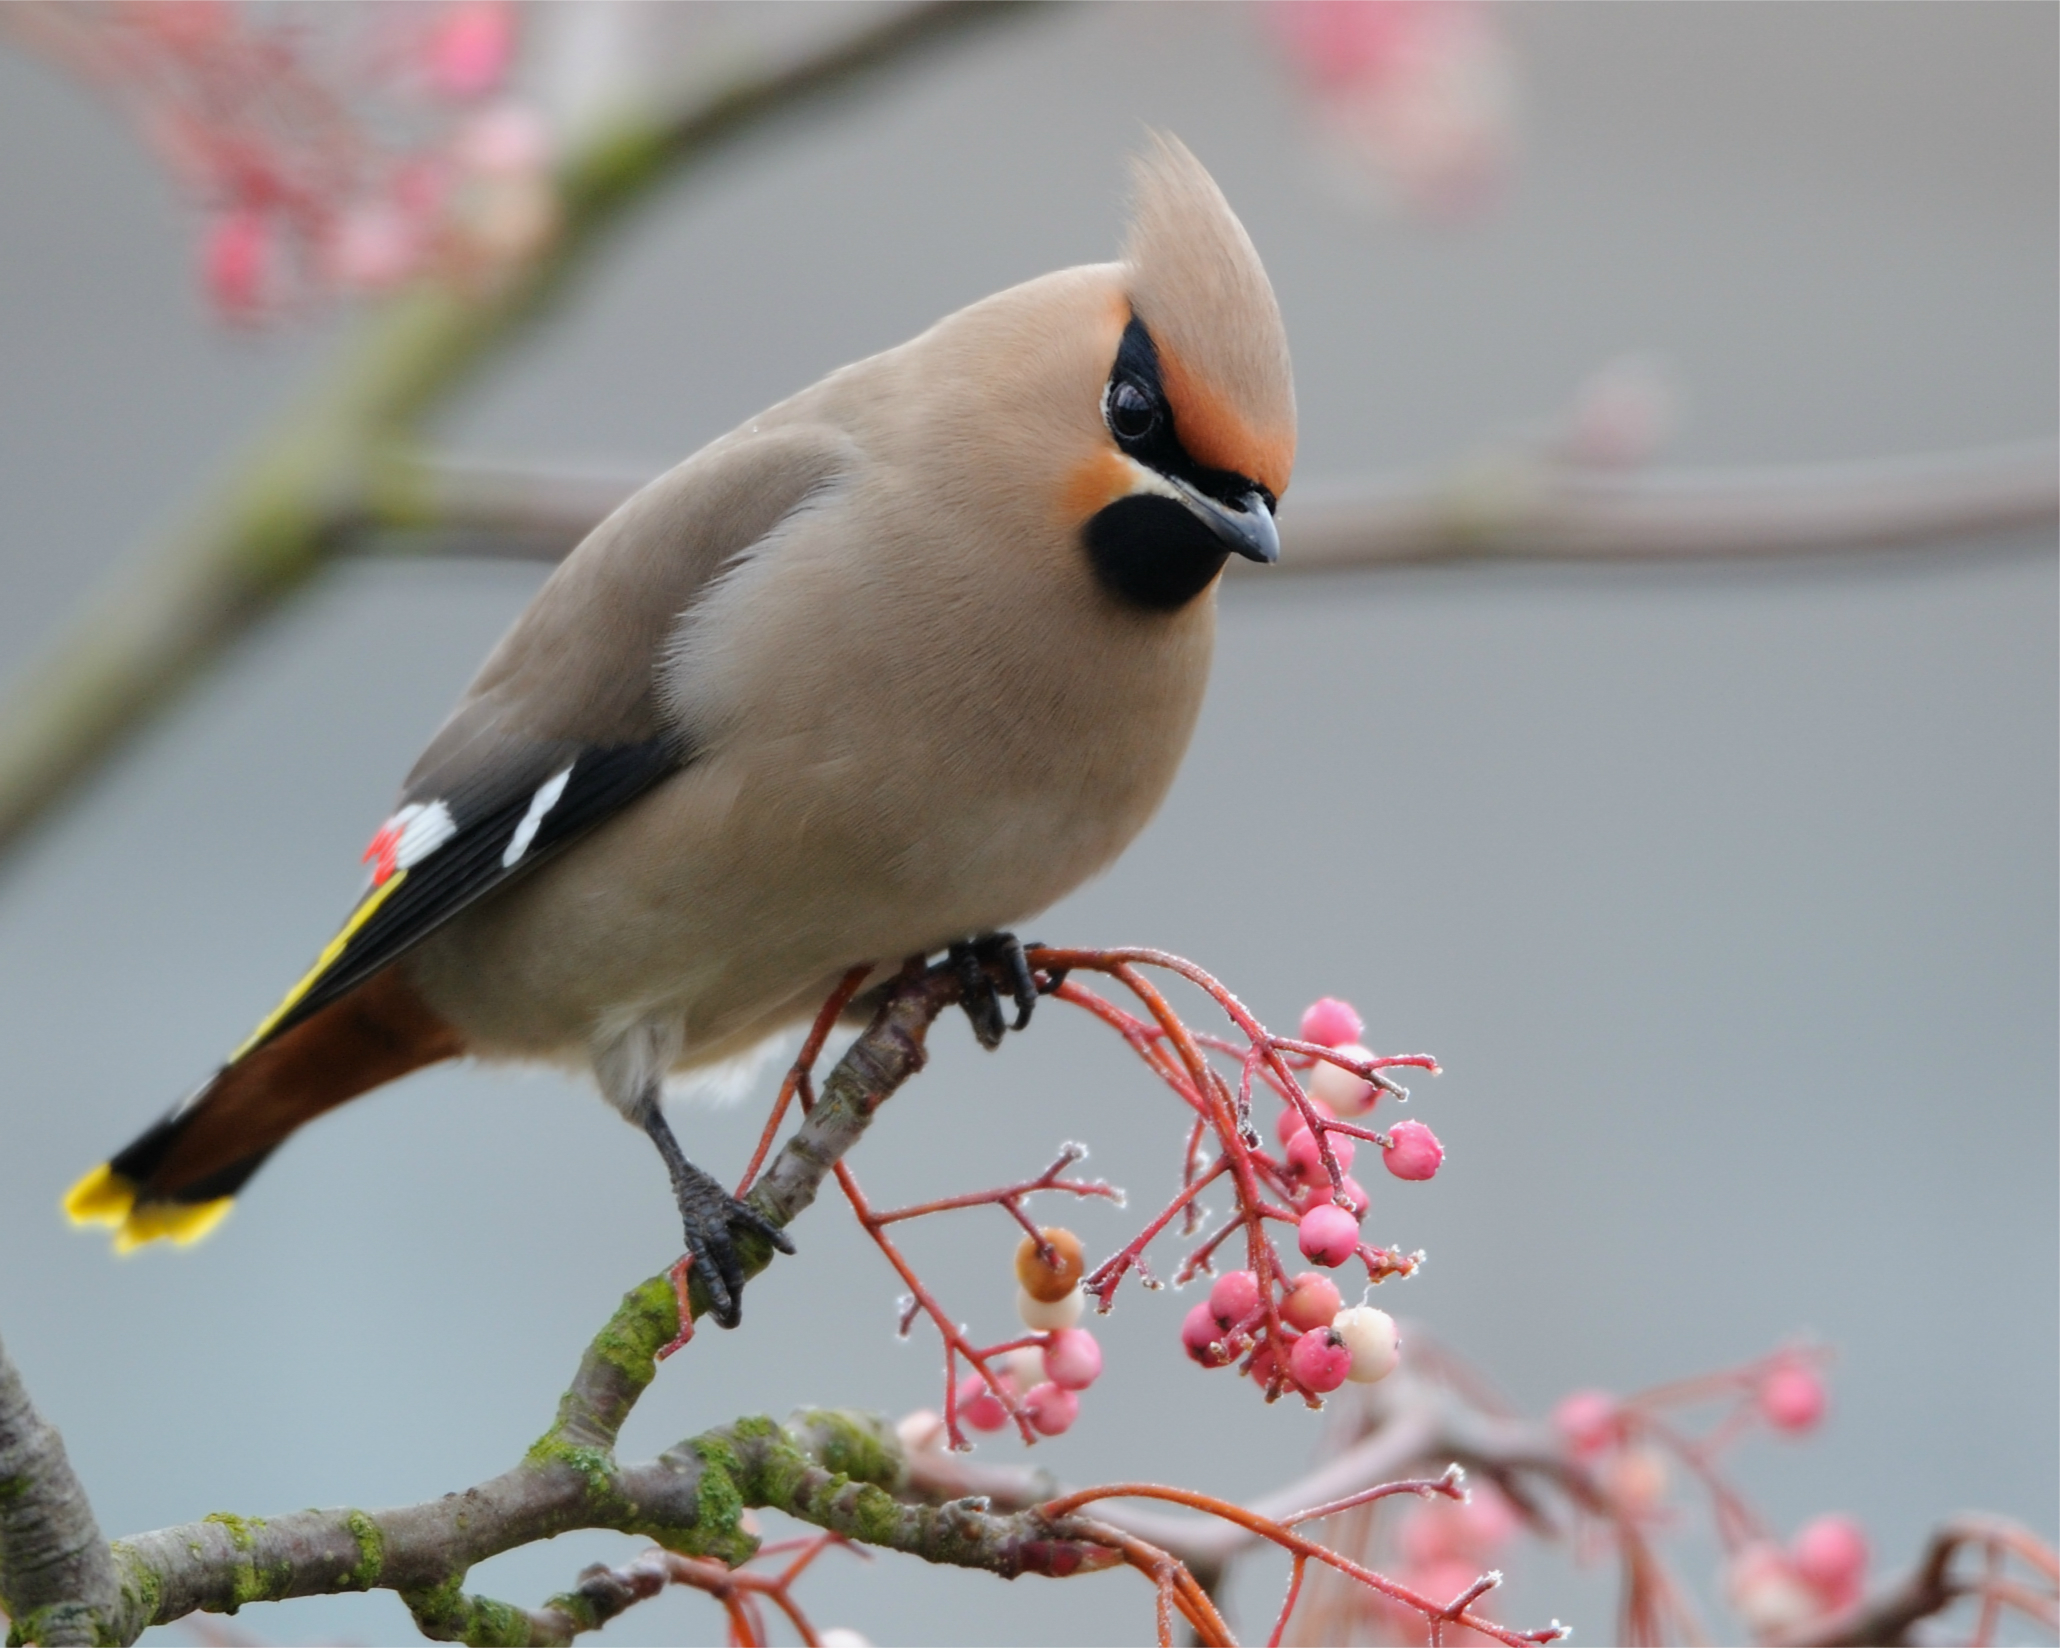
1050 1283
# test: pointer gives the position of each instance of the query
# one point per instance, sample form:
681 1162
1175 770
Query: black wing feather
469 865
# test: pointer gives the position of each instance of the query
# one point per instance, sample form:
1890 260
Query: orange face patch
1217 435
1095 483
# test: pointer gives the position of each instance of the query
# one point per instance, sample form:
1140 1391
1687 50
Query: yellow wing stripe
105 1197
334 948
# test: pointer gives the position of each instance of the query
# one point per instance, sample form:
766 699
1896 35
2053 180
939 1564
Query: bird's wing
565 723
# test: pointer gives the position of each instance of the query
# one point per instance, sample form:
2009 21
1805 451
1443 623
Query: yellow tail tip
179 1222
102 1197
105 1197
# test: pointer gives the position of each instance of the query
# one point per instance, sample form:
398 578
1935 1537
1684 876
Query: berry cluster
334 150
1043 1377
1296 1330
1627 1443
1777 1591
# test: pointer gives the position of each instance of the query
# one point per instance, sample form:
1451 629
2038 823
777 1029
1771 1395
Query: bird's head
1198 407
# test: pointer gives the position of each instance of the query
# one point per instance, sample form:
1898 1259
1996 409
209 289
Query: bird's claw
977 961
708 1214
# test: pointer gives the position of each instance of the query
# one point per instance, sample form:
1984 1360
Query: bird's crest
1194 279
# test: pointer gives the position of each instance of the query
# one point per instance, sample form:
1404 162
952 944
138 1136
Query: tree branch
162 619
1512 507
56 1576
1931 1587
61 1587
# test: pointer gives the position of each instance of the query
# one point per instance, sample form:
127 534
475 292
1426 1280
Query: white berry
1042 1317
1369 1335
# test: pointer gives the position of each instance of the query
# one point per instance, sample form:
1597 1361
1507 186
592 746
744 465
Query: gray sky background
1726 895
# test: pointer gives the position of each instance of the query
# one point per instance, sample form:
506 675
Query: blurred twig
1510 508
275 522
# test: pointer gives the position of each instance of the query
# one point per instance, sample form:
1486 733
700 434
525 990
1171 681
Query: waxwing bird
884 671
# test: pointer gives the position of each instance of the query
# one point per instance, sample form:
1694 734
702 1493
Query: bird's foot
986 966
709 1214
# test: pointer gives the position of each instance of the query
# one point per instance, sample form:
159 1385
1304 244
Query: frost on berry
1050 1271
1203 1338
1330 1022
1829 1554
1051 1408
1588 1421
1073 1359
1312 1302
977 1404
1414 1151
1328 1235
1344 1092
1320 1361
1792 1397
1370 1338
1234 1297
1049 1315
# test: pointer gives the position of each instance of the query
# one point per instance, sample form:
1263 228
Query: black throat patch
1148 550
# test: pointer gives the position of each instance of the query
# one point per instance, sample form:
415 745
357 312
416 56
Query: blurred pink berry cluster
1420 93
334 150
1775 1589
1445 1547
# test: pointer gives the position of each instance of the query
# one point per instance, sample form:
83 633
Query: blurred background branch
1514 506
164 617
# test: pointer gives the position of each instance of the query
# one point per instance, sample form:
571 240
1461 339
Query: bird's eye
1132 412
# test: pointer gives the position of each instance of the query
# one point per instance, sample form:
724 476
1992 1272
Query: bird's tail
177 1180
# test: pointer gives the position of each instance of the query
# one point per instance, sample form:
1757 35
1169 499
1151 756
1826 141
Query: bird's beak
1246 529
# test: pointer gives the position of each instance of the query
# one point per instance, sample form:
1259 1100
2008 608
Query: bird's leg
707 1211
976 961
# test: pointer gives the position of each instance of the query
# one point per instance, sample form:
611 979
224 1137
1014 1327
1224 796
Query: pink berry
1330 1022
1051 1409
978 1406
236 261
1203 1338
1329 1235
1305 1155
1792 1397
1264 1361
1320 1360
1312 1302
469 51
1636 1479
1072 1361
1415 1152
1291 1122
1234 1297
1767 1592
1317 1192
1830 1556
1588 1421
1347 1094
